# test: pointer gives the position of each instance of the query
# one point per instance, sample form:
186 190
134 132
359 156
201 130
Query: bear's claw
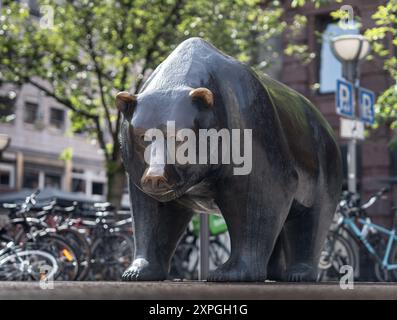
141 270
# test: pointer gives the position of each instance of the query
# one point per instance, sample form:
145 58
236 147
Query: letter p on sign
367 105
344 98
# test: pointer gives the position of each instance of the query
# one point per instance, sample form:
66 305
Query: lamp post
350 50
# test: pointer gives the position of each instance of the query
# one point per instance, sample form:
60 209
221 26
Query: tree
381 36
385 31
92 49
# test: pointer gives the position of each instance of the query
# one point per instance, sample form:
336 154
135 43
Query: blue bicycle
354 225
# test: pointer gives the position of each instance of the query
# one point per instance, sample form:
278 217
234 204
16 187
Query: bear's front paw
142 270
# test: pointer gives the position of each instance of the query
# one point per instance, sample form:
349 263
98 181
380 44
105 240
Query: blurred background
62 62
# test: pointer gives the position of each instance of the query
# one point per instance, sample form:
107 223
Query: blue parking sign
366 99
344 98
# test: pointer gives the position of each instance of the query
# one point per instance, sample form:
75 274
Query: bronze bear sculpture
277 215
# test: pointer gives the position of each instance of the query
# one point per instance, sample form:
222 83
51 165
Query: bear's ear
203 94
125 102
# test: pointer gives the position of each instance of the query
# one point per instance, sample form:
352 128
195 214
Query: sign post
345 107
353 128
204 246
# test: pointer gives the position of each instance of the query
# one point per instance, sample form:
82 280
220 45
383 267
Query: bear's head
163 134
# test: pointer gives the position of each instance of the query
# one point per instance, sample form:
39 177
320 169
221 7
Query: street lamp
350 50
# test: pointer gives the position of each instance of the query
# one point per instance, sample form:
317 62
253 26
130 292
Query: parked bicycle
112 246
30 230
185 262
355 226
20 263
87 242
104 242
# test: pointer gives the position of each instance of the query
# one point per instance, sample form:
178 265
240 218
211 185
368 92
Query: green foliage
317 3
301 51
66 154
95 48
385 19
295 48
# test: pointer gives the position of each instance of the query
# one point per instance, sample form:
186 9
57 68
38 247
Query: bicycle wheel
184 263
384 275
381 274
60 248
218 253
81 247
111 256
28 265
337 252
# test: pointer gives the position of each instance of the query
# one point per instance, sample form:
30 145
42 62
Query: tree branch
101 139
66 102
69 105
123 47
171 20
100 81
116 150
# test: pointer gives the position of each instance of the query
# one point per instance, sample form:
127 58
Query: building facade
317 81
40 132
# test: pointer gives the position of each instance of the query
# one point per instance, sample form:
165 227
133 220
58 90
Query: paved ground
194 290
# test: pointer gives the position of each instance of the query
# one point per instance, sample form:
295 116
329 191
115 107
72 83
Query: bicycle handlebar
350 203
32 198
375 198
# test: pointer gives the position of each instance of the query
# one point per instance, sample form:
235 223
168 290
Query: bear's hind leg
277 263
254 225
306 229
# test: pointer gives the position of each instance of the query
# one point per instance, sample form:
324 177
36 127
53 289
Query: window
330 67
57 118
6 109
78 171
88 182
5 178
78 185
7 175
31 112
40 176
52 180
98 188
31 179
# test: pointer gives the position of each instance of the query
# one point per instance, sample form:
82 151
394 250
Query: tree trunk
116 182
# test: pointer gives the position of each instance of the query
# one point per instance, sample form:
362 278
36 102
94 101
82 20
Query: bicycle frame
10 247
392 237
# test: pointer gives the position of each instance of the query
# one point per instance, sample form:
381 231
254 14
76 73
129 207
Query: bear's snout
157 180
155 184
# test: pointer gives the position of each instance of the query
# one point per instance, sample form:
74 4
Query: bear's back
189 65
304 127
194 62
